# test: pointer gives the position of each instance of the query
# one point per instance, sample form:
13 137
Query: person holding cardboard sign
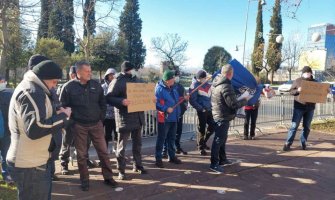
301 111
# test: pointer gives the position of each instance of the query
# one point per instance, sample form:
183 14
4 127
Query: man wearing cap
86 98
127 124
5 96
32 121
201 101
167 113
301 111
109 123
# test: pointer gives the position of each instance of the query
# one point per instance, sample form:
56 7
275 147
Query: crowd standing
39 123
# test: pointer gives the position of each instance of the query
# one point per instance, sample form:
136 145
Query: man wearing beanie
86 98
32 121
166 97
127 124
301 111
201 101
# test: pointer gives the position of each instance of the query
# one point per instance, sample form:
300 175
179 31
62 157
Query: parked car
285 88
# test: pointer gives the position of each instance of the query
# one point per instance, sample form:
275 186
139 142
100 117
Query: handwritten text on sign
141 97
313 92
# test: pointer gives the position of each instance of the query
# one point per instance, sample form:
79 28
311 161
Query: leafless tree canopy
170 48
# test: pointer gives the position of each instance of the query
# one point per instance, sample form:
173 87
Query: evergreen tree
55 21
68 32
273 54
89 17
258 52
215 58
130 31
44 23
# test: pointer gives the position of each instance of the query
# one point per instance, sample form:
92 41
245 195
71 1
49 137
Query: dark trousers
4 146
110 128
218 152
250 115
54 149
32 183
96 133
166 132
307 116
205 118
178 135
136 148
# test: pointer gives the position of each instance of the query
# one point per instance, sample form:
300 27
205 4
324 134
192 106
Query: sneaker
181 151
164 155
286 147
85 185
252 138
303 145
175 160
111 182
159 164
218 169
245 137
64 169
226 162
91 164
203 152
140 170
122 176
54 178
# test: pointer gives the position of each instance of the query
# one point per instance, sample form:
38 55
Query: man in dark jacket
5 96
301 111
166 98
86 98
127 124
201 101
224 105
32 121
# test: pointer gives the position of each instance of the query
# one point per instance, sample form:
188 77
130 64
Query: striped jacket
32 121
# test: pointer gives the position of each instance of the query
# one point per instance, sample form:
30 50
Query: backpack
2 127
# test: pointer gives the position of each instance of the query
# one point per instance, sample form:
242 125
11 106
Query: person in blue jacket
201 102
166 97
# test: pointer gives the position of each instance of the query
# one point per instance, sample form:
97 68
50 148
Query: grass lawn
325 126
7 192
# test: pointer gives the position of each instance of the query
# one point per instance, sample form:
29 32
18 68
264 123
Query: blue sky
204 23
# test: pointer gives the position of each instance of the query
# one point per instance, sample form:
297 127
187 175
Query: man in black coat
127 124
224 107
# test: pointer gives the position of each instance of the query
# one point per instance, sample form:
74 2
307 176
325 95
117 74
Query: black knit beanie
47 70
201 74
306 69
126 66
36 59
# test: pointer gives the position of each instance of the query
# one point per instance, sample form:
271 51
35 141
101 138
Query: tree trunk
290 74
5 37
272 74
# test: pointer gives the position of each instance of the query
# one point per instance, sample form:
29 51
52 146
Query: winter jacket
86 101
32 120
224 102
181 92
110 109
166 97
294 91
117 92
201 99
5 96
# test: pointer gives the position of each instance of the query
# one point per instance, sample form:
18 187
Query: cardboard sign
141 97
313 92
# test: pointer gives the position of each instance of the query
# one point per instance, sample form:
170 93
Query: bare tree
170 48
292 50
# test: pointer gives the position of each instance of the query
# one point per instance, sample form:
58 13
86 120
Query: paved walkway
263 172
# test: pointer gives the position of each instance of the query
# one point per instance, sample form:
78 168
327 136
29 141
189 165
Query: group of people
38 119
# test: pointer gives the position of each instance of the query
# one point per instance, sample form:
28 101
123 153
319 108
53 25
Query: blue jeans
178 135
218 152
4 146
307 116
32 183
166 132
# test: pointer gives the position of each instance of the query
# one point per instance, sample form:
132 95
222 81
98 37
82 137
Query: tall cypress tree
55 21
258 52
89 17
68 32
273 54
130 30
44 23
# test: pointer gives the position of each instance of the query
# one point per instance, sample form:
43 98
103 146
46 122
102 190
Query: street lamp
246 25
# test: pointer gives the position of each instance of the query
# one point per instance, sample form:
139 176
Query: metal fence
272 112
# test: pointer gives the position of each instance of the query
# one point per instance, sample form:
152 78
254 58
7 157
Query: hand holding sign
125 102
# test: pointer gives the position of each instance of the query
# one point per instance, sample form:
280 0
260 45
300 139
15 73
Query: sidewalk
263 172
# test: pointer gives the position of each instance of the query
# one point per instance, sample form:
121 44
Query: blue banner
243 81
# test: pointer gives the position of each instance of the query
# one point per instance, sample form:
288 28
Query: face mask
177 79
306 75
3 85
